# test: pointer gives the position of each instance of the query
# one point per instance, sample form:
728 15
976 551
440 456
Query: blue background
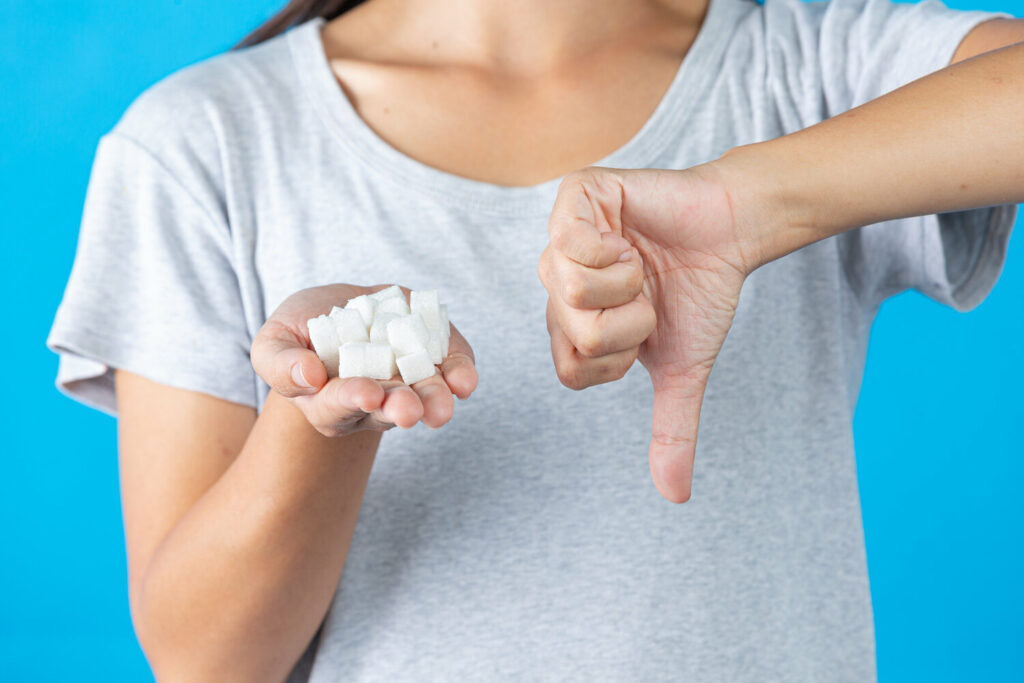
939 427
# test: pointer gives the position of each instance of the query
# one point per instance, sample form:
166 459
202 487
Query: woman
423 145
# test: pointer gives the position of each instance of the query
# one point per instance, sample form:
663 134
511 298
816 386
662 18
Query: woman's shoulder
219 96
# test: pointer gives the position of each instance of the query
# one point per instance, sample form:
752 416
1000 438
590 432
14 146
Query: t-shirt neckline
357 138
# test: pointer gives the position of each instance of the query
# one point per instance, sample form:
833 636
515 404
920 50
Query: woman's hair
297 12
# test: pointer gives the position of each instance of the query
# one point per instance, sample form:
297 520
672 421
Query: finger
582 287
436 397
402 407
609 330
341 403
585 222
459 368
578 372
356 394
674 425
284 361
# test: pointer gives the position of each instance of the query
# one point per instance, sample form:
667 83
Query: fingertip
672 473
364 394
310 373
402 407
438 405
297 372
462 378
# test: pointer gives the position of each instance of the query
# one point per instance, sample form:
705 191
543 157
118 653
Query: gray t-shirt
525 541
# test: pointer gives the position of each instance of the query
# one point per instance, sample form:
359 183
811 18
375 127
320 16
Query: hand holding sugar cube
379 335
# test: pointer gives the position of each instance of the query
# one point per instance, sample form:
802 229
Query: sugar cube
408 334
379 328
366 307
426 304
446 326
396 305
325 342
352 359
349 324
394 291
415 367
379 360
382 335
434 348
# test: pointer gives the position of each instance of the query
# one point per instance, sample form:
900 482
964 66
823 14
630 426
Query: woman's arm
649 264
949 141
237 528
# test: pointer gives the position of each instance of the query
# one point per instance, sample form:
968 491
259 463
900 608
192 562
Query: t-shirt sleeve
152 289
865 49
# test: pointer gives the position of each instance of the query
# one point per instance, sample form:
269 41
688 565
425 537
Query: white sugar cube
426 304
407 334
349 324
435 346
394 291
395 305
352 360
379 328
379 360
382 334
366 307
415 367
325 342
446 330
446 325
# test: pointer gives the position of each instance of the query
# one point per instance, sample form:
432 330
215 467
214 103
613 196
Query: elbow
171 646
147 622
184 647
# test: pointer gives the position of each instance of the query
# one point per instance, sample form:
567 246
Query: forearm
238 587
949 141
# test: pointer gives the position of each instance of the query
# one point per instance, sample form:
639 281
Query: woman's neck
520 38
513 92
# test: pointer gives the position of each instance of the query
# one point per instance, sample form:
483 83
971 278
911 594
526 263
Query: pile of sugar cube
378 335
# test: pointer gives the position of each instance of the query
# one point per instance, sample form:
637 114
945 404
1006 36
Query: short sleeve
152 289
865 49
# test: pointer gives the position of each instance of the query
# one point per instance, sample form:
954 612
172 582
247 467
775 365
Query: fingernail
299 378
626 255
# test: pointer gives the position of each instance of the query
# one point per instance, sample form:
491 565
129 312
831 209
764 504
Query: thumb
285 363
676 415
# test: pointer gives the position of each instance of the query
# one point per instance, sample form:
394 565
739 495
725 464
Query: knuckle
560 239
590 343
544 267
571 375
574 178
575 292
619 370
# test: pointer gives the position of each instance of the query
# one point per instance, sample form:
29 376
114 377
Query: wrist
293 451
764 208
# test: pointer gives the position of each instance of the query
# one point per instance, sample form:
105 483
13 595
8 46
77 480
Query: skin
952 140
237 524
